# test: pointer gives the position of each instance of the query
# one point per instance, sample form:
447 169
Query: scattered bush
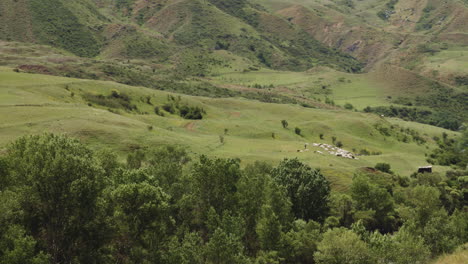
115 100
384 167
348 106
297 131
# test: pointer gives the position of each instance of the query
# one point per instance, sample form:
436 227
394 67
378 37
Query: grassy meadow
250 130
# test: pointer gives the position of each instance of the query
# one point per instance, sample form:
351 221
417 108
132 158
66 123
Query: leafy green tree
108 162
269 230
342 246
224 248
59 184
5 179
284 123
135 159
339 144
17 248
300 243
188 250
141 219
280 203
342 207
441 235
215 185
374 200
348 106
404 247
307 188
422 203
270 257
252 194
297 131
166 165
384 167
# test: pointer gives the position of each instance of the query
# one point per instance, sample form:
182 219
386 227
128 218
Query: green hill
251 130
233 131
84 30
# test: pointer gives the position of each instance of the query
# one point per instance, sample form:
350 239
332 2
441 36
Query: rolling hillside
298 55
233 131
251 130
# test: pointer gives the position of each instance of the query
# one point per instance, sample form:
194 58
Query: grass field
453 60
359 89
32 103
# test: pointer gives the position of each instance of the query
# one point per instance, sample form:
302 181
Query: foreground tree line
61 202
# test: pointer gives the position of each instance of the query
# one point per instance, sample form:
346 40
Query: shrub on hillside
384 167
297 131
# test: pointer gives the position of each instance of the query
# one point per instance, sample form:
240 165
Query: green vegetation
384 167
209 131
386 13
115 100
174 105
54 24
165 205
445 119
425 22
451 151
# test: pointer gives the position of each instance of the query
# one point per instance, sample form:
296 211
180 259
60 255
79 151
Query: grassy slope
458 257
38 103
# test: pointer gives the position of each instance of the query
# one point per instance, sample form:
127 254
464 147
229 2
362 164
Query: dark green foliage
339 144
185 111
445 119
145 47
62 203
374 203
224 248
189 112
157 110
307 188
461 80
115 100
386 13
451 151
57 26
59 183
384 167
135 159
284 123
401 134
300 243
215 184
124 3
297 131
237 8
348 3
16 248
348 106
342 246
425 22
141 216
301 52
402 248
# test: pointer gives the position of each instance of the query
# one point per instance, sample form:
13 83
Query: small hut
425 169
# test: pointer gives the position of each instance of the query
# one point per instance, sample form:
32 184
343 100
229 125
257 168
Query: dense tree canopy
307 188
61 202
